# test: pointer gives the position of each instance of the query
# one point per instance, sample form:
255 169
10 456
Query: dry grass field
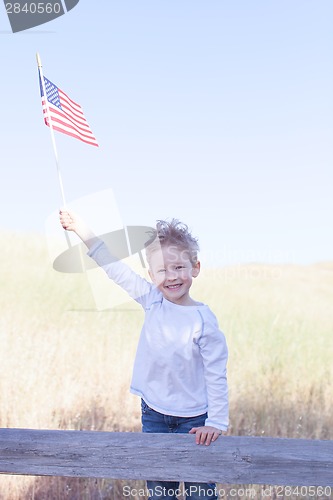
65 365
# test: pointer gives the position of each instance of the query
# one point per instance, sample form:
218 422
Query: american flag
65 115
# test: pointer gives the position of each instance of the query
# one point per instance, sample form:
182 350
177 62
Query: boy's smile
172 272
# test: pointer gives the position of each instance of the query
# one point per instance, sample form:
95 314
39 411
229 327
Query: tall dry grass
66 366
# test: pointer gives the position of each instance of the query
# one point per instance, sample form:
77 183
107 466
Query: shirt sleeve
135 285
214 352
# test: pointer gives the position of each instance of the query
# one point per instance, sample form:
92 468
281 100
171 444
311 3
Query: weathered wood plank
129 455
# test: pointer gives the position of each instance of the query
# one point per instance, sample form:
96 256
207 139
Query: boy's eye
180 267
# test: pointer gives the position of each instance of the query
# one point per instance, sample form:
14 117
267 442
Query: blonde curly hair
173 233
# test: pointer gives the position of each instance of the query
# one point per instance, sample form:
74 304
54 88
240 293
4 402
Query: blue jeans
152 421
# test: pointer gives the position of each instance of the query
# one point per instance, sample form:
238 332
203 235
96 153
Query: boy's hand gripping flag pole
48 121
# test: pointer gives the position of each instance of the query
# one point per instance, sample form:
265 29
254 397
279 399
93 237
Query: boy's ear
196 269
151 275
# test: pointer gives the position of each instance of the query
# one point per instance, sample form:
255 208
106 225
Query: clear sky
216 112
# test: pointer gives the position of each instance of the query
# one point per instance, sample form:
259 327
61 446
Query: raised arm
72 222
136 286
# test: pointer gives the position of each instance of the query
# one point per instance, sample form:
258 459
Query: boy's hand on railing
206 434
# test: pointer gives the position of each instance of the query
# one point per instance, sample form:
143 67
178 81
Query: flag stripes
65 114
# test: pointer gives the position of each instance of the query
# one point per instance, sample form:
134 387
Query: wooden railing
130 455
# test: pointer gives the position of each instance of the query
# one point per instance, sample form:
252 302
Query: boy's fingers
205 435
206 439
216 435
211 438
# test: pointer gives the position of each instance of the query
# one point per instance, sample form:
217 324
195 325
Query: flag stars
52 93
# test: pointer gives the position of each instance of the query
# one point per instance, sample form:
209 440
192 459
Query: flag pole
40 69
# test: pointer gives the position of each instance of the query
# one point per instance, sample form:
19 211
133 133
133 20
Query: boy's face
172 272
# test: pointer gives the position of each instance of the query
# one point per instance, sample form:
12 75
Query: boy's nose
171 274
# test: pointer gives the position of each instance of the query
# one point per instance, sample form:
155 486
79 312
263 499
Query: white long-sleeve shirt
181 358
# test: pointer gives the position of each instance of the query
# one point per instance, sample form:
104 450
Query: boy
180 366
